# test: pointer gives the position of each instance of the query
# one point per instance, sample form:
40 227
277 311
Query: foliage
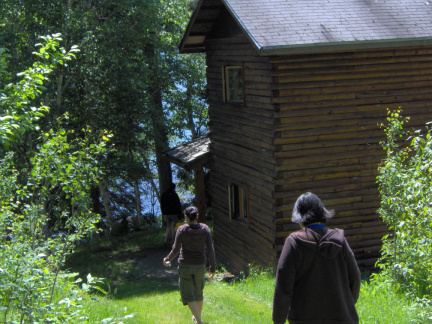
128 79
55 180
19 115
405 184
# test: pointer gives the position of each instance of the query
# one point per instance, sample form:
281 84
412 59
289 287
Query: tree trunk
137 199
189 108
161 143
105 199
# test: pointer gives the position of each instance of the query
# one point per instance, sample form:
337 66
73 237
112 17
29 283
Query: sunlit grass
154 300
246 302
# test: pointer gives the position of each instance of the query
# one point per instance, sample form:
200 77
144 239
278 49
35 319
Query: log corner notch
190 156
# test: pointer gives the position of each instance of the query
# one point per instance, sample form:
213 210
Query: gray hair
310 209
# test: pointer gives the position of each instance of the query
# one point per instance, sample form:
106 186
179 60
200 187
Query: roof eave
242 26
182 44
343 46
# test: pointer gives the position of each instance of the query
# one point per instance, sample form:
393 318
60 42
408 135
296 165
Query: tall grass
154 300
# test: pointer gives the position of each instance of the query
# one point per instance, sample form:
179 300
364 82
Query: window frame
239 195
226 83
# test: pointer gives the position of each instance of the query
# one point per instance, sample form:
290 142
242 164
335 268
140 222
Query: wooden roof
294 26
190 155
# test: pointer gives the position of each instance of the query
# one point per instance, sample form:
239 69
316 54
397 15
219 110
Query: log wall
329 107
243 152
310 122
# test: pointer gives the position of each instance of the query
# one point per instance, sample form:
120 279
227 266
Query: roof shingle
276 23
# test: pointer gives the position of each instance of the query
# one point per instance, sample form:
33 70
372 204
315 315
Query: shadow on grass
130 265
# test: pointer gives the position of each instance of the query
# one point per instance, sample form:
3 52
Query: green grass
153 300
379 303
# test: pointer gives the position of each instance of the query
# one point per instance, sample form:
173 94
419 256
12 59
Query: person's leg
194 308
165 220
200 306
171 226
199 282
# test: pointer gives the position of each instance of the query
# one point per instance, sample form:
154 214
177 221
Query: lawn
155 299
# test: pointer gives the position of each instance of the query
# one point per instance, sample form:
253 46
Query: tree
55 180
128 79
405 183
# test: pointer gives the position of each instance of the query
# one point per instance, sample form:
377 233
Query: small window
238 202
233 84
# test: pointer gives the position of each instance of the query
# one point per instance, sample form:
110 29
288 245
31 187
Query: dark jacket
170 203
317 279
191 242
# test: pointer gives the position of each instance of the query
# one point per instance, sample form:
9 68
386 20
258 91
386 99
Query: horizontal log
248 239
352 71
244 111
349 61
287 81
248 161
253 98
289 112
366 243
343 188
240 262
264 93
320 171
315 125
260 197
249 72
216 99
371 160
233 121
366 237
367 215
379 113
354 87
369 134
339 208
360 190
330 152
248 148
238 137
234 60
261 204
251 155
244 174
323 184
367 263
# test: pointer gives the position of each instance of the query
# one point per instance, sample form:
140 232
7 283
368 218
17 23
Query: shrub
405 184
53 183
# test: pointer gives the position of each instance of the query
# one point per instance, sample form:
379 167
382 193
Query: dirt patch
152 265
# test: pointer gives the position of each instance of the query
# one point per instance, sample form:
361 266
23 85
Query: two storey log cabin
296 92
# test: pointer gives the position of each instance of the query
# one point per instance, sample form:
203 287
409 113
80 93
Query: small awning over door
190 155
193 156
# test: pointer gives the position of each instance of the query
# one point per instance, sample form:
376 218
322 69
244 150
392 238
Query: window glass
234 83
245 203
238 202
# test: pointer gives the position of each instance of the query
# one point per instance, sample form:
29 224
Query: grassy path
139 283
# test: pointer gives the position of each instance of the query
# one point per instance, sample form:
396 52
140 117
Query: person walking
171 210
317 277
191 243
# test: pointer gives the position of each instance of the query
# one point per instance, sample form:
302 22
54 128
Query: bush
405 184
52 184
